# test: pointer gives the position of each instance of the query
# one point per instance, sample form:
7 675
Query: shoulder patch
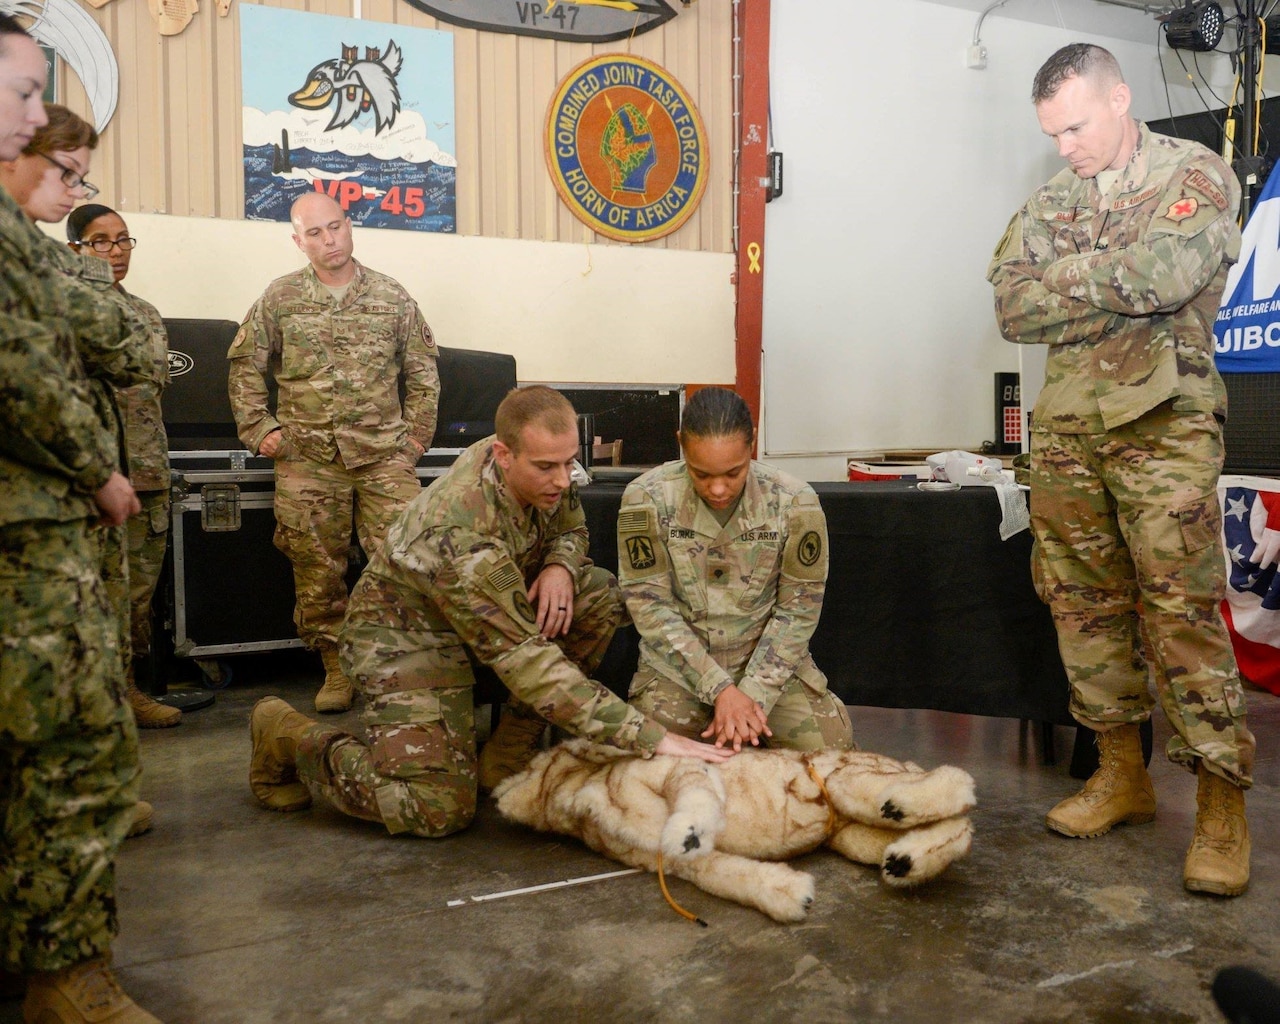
641 553
805 556
633 520
1182 209
504 576
242 343
1007 238
429 340
504 586
1205 185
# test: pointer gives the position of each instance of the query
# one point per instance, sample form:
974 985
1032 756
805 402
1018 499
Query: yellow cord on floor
687 915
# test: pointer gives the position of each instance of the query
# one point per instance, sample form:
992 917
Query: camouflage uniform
102 320
147 444
734 604
345 438
1126 443
68 747
448 588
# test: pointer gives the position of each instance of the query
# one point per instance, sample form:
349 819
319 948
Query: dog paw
684 836
891 811
897 865
924 853
785 893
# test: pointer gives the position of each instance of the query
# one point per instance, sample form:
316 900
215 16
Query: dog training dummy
723 827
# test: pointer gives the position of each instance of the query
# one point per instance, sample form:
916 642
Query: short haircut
716 412
311 197
82 216
64 132
1084 60
535 404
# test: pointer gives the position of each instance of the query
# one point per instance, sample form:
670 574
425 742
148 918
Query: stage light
1198 26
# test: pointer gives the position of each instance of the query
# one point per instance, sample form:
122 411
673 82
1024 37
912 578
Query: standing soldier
339 339
68 744
47 180
487 566
1118 264
723 563
98 231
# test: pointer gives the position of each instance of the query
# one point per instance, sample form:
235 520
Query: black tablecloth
926 607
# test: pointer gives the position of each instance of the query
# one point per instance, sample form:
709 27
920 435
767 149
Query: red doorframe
753 166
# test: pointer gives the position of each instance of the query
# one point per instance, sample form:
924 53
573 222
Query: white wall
903 167
566 312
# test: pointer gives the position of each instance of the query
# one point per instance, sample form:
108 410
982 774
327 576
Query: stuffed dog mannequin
723 826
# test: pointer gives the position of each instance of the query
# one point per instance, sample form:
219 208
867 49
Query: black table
926 607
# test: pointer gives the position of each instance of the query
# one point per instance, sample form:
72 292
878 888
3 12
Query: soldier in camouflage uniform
98 231
488 566
723 564
46 180
39 182
1118 264
338 338
67 739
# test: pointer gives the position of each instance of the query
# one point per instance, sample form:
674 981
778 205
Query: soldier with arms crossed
1118 264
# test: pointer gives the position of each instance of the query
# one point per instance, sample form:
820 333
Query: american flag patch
633 520
504 577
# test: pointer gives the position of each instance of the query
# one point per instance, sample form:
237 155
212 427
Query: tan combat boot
1119 791
1218 861
86 993
338 691
143 815
511 747
150 714
276 729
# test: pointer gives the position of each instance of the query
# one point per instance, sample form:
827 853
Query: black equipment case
226 589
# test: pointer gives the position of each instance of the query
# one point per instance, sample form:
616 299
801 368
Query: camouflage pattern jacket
337 367
140 411
718 605
104 323
459 560
1124 287
55 451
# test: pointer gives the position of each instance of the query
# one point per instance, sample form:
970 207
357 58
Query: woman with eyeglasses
68 746
98 231
48 180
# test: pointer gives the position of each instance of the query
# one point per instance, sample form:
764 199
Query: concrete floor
235 915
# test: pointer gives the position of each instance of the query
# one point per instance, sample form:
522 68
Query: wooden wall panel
174 143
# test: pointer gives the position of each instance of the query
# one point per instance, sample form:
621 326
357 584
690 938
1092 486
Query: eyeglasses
72 178
107 244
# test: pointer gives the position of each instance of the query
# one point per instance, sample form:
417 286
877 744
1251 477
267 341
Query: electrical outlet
976 57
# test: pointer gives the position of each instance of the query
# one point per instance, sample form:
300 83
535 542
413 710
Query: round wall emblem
626 148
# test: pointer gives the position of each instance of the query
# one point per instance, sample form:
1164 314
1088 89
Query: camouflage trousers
1128 556
417 772
113 566
802 719
315 505
68 749
147 535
